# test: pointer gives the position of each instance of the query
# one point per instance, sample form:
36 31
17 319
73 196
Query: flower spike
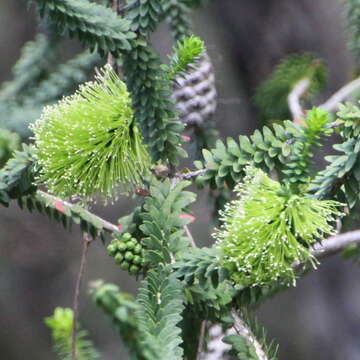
268 229
88 143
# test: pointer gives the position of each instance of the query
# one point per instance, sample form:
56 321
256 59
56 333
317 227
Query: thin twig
85 249
216 348
294 98
115 5
189 235
192 174
115 8
336 243
203 322
108 226
341 95
333 245
201 339
243 330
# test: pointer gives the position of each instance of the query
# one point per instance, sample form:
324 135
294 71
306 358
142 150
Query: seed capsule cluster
127 252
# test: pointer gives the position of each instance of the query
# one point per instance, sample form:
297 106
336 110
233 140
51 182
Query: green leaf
245 144
163 220
160 302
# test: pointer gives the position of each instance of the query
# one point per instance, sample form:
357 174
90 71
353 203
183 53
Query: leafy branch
268 149
163 221
95 25
121 309
160 302
61 324
246 344
63 79
34 62
340 179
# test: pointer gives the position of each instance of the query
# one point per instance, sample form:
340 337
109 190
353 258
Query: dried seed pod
195 93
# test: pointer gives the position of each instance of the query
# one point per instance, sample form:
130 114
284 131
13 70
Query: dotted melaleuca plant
268 229
88 143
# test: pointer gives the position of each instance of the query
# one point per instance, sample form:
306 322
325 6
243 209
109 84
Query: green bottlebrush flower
89 143
267 229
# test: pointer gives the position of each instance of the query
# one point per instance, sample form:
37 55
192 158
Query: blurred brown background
319 319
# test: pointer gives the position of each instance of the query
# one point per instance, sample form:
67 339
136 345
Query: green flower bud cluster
127 252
